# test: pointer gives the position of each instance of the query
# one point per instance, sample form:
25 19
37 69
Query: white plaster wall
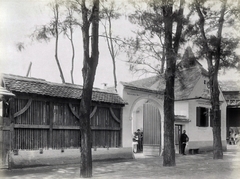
138 115
1 106
181 108
203 136
223 108
199 136
200 89
196 133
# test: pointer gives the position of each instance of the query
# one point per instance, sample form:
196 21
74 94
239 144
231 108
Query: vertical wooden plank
11 112
151 125
43 121
30 141
26 139
121 134
51 116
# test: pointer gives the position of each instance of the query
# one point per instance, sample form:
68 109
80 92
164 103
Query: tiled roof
229 85
150 84
231 91
183 85
187 76
28 85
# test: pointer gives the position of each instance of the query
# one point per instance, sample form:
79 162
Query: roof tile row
21 84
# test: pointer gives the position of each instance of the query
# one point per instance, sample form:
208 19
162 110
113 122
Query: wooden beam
106 128
30 126
54 127
67 127
51 116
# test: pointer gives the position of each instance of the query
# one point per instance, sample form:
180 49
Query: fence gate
151 130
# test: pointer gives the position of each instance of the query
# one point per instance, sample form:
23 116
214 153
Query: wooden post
12 136
51 116
121 132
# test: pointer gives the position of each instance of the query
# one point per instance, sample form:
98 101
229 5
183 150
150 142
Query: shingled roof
231 91
184 83
28 85
153 84
229 85
186 78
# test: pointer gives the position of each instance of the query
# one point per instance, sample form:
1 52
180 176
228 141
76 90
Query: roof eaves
99 96
143 89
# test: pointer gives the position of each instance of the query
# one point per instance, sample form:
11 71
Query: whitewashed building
144 109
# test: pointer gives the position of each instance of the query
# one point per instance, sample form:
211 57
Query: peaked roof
28 85
231 91
154 84
229 85
188 74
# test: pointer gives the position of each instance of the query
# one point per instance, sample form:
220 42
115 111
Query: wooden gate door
151 130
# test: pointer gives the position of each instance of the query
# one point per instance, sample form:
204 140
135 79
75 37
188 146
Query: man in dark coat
184 139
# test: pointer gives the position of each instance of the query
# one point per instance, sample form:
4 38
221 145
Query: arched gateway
143 111
146 117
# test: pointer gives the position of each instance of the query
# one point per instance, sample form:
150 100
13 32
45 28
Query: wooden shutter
198 116
202 117
206 116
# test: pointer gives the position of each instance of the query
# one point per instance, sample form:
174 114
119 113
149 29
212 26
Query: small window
202 117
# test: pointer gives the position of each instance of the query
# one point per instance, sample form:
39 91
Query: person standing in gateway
184 139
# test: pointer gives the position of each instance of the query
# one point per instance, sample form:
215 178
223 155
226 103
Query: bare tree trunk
111 48
73 54
113 53
216 118
88 71
56 13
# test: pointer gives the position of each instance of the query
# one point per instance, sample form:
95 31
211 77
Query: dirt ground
189 166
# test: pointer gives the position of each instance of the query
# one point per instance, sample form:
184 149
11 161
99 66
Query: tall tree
219 52
68 28
109 13
90 61
146 51
172 46
157 42
52 29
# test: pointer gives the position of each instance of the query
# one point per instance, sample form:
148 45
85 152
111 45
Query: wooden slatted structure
152 130
37 118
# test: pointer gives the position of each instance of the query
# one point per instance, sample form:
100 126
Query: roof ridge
134 81
21 77
39 80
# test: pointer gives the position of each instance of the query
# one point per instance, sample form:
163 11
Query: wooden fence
42 123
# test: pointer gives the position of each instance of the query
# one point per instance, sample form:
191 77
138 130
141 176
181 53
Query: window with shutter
202 117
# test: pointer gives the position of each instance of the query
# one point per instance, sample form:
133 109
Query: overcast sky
18 19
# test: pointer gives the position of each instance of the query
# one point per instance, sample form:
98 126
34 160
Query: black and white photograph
120 89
